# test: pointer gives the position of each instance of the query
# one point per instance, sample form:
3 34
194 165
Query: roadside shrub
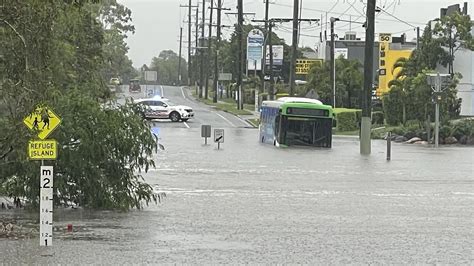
347 121
377 118
464 128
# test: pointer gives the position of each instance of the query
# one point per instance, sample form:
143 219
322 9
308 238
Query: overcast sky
157 22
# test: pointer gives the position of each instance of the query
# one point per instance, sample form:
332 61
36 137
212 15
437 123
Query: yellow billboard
387 59
303 65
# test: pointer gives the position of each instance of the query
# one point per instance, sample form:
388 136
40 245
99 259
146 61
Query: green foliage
166 64
377 118
349 81
55 55
410 96
347 119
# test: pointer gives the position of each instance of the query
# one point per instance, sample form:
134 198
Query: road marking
182 91
186 124
244 121
162 91
227 120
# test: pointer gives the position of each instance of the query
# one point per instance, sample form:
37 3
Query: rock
470 140
413 140
450 140
400 139
422 142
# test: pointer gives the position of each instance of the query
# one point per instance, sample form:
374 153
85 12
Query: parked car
160 108
134 86
114 81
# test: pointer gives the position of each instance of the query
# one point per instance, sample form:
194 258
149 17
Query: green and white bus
291 121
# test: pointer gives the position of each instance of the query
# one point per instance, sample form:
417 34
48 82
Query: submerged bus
291 121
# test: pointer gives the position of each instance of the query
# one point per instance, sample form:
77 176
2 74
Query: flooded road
254 203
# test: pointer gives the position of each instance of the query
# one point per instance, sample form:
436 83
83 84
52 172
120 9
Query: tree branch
22 39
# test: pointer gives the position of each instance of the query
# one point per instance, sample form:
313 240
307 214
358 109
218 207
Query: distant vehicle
296 121
134 86
161 108
114 81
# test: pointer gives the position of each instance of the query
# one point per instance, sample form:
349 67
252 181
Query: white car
161 108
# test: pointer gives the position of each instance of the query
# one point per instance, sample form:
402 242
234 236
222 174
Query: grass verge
223 106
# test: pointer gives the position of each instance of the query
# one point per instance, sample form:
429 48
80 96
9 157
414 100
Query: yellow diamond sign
42 149
43 120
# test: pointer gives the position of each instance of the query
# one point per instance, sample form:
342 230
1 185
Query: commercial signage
255 40
303 65
385 37
338 52
277 55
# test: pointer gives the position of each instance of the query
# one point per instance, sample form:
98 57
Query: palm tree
401 82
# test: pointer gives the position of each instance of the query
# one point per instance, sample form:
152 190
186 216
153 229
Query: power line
338 13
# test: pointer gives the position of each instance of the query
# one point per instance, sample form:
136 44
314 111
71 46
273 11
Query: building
387 50
464 64
389 54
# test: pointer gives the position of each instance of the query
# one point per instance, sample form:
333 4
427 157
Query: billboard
255 40
303 65
277 55
341 51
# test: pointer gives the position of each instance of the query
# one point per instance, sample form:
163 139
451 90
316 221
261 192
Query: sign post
43 121
437 81
218 137
46 206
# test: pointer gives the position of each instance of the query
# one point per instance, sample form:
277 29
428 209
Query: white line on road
186 124
227 120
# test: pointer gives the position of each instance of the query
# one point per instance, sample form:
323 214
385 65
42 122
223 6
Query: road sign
42 149
205 131
225 76
219 135
43 120
46 206
151 76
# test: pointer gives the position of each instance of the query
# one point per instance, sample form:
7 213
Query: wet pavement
253 203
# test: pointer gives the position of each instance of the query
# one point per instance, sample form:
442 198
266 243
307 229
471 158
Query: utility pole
179 58
196 32
189 6
270 47
417 37
216 55
267 35
201 52
208 53
294 45
333 62
189 43
365 145
271 24
240 24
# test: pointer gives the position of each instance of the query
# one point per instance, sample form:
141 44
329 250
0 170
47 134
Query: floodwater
254 203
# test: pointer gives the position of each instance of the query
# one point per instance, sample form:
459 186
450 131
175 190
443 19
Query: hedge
347 119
